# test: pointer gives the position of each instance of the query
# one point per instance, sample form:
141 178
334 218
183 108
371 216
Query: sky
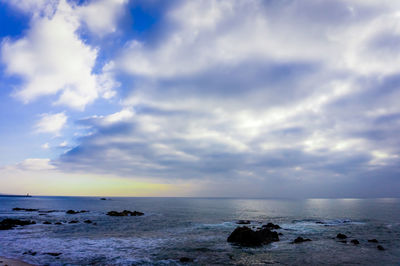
202 98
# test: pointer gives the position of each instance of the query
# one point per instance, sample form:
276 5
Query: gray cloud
292 99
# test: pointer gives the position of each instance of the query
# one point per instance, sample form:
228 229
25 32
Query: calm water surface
198 227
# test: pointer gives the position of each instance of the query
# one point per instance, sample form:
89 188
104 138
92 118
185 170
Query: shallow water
198 227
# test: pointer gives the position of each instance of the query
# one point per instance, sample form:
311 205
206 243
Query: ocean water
198 228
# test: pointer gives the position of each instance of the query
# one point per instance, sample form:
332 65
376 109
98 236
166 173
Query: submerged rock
243 222
379 247
355 242
87 221
373 240
300 240
73 222
341 236
54 254
24 209
30 252
271 226
186 259
8 223
247 237
103 199
125 213
46 222
58 223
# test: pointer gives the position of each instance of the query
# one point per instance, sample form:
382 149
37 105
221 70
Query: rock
341 236
379 247
280 234
355 242
125 213
88 222
271 226
343 241
75 212
319 222
30 252
300 240
46 222
103 199
55 254
73 222
373 240
24 209
8 223
186 259
58 223
247 237
243 222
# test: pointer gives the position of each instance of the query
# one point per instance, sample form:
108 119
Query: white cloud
51 123
53 60
36 165
101 16
46 146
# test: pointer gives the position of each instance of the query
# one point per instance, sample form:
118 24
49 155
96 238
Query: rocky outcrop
300 240
7 224
243 222
87 221
245 236
271 226
379 247
355 242
185 259
341 236
125 213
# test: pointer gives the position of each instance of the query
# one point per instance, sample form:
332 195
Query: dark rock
280 234
300 240
55 254
73 222
75 212
94 223
341 236
46 222
186 259
30 252
103 199
58 223
24 209
243 222
125 213
88 222
247 237
373 240
8 223
343 241
319 222
271 226
379 247
355 242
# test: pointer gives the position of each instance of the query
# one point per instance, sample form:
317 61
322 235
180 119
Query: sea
197 228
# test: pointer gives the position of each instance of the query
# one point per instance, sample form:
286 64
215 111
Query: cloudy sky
252 98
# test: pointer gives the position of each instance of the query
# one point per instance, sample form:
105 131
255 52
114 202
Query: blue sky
200 98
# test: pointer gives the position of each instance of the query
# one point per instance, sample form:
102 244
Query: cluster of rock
8 223
245 236
343 238
125 213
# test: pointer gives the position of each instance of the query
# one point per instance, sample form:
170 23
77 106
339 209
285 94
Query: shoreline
13 262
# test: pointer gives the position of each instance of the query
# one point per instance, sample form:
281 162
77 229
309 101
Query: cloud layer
257 98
